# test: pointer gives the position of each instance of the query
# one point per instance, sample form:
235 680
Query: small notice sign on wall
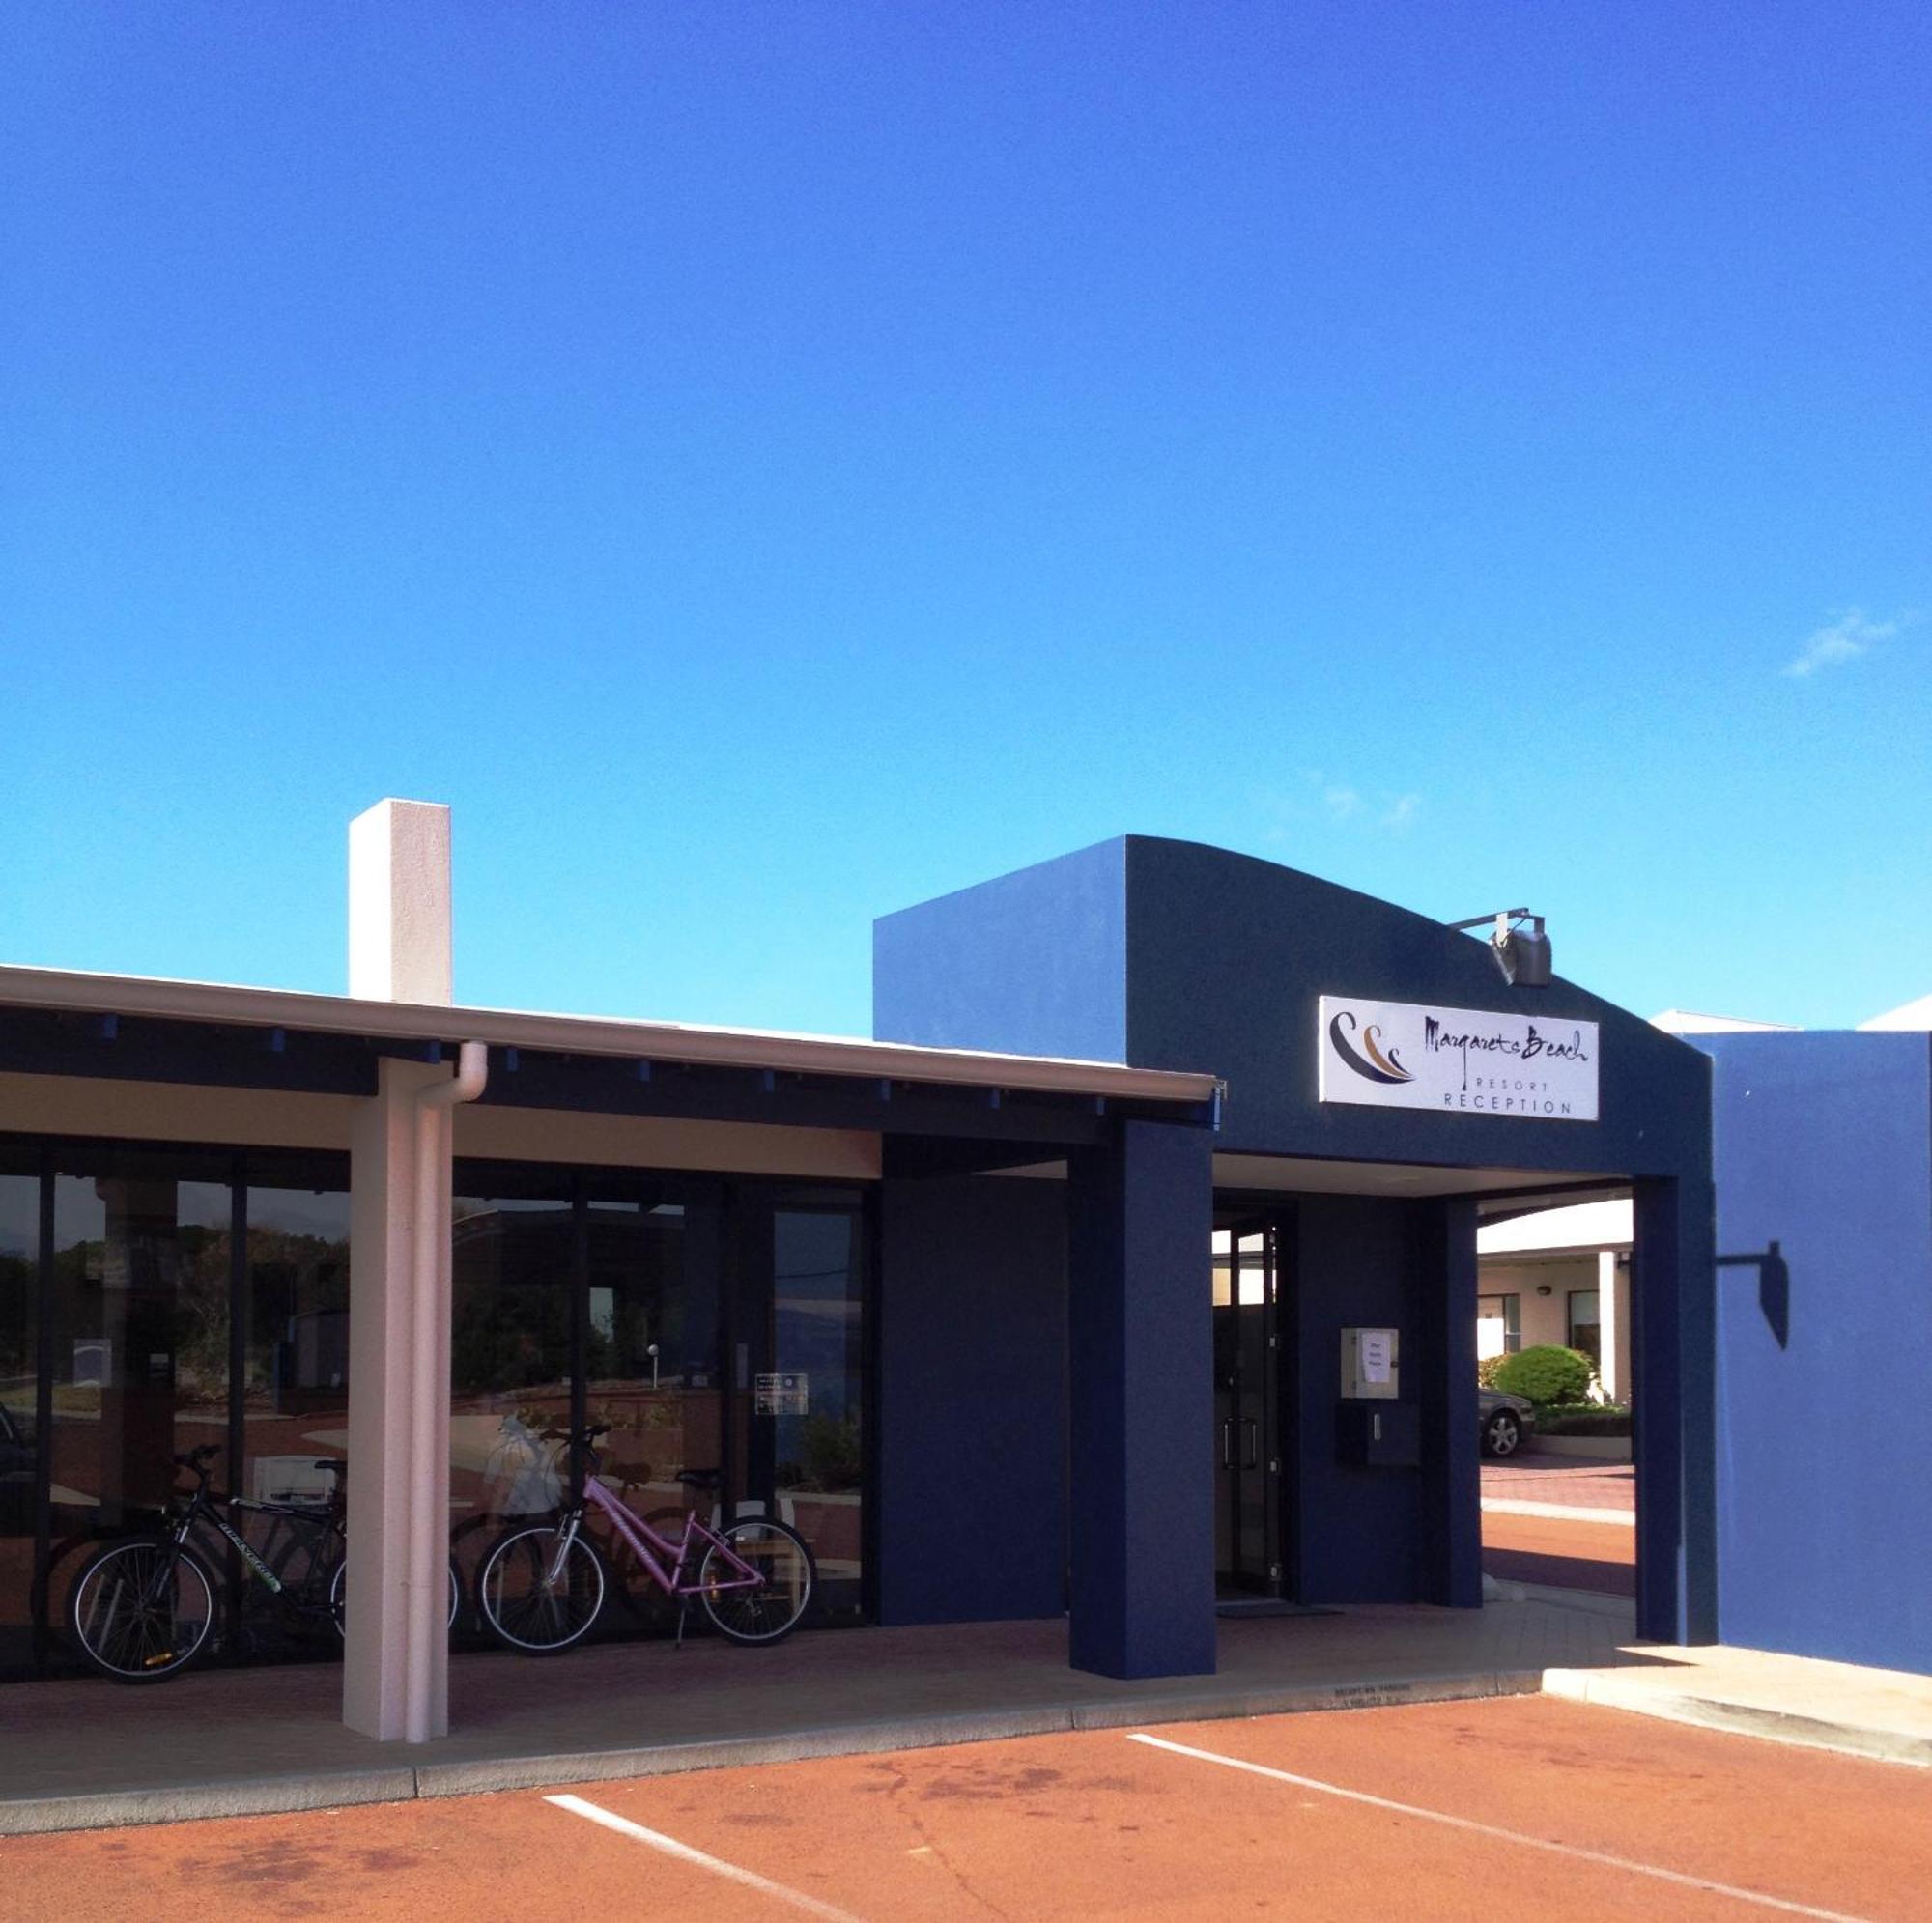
783 1392
1407 1055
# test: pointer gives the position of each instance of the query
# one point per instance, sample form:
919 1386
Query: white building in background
1562 1275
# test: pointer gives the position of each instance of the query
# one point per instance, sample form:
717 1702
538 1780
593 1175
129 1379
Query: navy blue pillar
1141 1474
1452 1504
1674 1354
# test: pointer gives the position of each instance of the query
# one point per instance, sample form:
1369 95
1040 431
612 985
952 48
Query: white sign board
1404 1055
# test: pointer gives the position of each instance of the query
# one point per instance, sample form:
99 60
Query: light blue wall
1824 1420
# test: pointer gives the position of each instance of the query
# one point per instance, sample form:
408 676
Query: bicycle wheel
338 1595
777 1604
142 1611
532 1603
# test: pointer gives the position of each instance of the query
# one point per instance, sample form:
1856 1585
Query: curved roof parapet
1169 954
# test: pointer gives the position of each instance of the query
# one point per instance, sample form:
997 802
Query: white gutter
73 991
429 1360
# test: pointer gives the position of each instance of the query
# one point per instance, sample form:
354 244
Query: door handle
1253 1443
1228 1443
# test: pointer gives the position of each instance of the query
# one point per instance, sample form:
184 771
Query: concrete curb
1613 1448
279 1794
1607 1689
1559 1511
192 1802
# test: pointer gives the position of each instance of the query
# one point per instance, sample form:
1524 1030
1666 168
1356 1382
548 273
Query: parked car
1505 1421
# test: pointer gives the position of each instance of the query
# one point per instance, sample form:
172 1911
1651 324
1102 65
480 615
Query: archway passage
1558 1480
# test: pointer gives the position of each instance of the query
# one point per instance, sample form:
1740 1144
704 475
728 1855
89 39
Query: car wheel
1502 1432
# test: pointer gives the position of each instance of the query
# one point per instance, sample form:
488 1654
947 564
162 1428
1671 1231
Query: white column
395 1669
1612 1326
393 1499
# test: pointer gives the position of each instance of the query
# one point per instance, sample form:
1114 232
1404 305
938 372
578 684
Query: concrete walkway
84 1754
1880 1712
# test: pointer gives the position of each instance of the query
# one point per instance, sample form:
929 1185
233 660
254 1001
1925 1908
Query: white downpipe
429 1363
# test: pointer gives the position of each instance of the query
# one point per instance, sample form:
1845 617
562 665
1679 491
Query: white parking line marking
685 1853
1501 1835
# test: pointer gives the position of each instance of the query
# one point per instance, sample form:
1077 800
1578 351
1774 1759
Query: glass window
1498 1326
20 1478
140 1364
1585 1326
651 1345
512 1258
811 1392
715 1325
294 1398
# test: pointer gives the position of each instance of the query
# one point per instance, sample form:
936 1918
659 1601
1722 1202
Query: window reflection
813 1390
715 1325
511 1257
19 1289
295 1384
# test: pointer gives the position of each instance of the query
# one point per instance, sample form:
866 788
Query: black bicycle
144 1609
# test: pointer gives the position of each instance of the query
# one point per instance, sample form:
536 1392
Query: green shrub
1547 1374
1584 1419
1485 1370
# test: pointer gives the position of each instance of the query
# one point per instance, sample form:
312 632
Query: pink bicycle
541 1588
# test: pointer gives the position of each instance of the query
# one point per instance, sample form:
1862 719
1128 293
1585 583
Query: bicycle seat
702 1479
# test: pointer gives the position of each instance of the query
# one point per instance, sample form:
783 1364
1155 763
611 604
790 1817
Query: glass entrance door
1247 1428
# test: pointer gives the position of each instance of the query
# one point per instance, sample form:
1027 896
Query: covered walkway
250 1740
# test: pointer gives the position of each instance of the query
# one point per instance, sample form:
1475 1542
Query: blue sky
767 463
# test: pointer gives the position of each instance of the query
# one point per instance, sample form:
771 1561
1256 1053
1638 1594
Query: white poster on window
1408 1055
782 1393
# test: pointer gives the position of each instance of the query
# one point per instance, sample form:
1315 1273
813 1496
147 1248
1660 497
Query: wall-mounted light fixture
1522 953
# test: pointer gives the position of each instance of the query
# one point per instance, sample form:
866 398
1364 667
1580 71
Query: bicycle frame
201 1508
644 1539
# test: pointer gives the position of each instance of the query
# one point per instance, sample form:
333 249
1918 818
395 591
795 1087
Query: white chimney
400 942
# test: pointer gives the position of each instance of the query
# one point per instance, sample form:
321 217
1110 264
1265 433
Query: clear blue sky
768 464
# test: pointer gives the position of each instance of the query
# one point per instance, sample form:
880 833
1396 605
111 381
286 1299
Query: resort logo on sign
1403 1054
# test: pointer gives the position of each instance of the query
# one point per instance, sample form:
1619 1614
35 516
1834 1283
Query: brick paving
1577 1483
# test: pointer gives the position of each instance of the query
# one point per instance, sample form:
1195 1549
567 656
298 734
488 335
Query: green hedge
1584 1419
1547 1374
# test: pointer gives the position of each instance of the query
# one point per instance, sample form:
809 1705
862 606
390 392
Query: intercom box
1378 1435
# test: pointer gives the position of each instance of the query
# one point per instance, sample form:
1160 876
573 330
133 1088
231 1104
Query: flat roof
73 991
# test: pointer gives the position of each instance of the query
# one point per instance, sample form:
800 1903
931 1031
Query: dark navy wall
1169 954
1034 963
1140 1330
1824 1170
972 1429
1357 1532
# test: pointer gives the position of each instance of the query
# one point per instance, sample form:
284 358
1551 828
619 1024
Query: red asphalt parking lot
1510 1807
